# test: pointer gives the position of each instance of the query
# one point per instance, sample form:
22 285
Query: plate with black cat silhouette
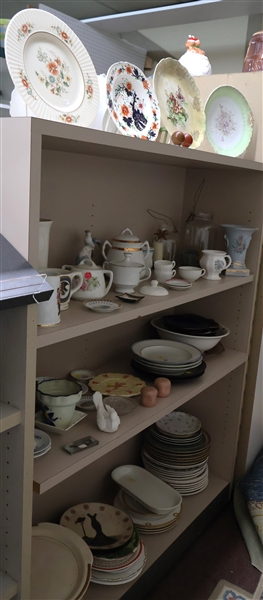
100 525
131 101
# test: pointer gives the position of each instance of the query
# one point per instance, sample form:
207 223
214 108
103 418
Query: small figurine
195 59
107 418
87 251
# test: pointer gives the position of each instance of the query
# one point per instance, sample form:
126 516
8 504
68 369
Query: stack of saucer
146 521
42 443
176 450
178 284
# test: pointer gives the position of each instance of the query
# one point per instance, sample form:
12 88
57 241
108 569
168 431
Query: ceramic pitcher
94 285
70 283
214 262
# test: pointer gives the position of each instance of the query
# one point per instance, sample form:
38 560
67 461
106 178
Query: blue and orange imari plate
179 100
229 121
131 101
51 68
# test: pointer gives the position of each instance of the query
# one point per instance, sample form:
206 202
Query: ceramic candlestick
148 396
163 386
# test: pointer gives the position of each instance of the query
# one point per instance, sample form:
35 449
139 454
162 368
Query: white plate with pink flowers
51 68
132 103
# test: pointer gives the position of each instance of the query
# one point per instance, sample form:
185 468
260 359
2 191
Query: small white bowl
82 375
203 342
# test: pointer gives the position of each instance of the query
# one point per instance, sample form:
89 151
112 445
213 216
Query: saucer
77 417
178 284
129 297
102 306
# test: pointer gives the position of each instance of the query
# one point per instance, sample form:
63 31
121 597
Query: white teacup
191 273
163 274
161 264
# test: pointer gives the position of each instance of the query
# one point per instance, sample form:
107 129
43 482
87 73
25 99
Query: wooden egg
177 138
163 386
148 396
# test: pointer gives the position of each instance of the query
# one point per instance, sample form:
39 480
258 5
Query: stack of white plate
146 521
118 553
176 450
165 357
152 504
42 443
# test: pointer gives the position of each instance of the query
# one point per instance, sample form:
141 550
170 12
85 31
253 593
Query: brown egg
177 138
188 140
163 386
148 396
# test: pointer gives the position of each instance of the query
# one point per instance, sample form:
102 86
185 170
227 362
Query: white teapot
126 242
94 285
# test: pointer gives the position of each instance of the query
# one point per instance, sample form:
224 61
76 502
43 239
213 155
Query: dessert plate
179 100
100 525
229 121
131 102
108 384
65 557
102 306
51 68
179 424
77 417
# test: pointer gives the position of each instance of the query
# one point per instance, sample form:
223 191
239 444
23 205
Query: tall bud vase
237 241
43 247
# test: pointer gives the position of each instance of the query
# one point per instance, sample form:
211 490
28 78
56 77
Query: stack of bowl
166 358
191 329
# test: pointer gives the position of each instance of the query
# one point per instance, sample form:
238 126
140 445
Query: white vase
43 245
237 240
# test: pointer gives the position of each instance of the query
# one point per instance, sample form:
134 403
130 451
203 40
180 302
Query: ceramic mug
214 261
49 311
67 287
191 273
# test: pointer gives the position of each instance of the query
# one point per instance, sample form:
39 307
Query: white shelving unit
85 179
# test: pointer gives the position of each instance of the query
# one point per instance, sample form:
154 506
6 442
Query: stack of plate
167 358
176 450
42 443
118 553
152 504
146 521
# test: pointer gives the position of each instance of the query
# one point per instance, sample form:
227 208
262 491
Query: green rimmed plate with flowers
179 100
51 68
229 121
132 103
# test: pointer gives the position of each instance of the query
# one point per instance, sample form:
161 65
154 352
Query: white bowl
203 342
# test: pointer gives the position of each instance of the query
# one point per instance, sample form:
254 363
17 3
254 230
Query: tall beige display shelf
85 179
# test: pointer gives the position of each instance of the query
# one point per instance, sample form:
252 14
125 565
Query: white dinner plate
51 68
166 351
120 578
61 563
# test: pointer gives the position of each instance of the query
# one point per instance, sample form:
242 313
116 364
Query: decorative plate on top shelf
51 68
229 121
131 102
100 525
109 384
179 100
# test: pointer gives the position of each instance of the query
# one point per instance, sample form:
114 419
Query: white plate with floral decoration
100 525
229 121
179 424
51 68
132 103
102 306
111 384
65 557
179 100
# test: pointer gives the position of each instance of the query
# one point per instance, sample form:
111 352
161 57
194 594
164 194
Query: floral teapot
94 285
126 242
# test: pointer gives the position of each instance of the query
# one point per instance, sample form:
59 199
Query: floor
218 553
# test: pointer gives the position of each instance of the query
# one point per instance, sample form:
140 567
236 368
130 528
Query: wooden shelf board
8 586
78 320
9 416
57 465
81 140
156 545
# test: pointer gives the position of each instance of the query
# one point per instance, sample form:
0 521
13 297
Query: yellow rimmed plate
116 384
179 100
51 68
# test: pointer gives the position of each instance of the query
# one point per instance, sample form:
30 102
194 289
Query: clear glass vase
200 232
